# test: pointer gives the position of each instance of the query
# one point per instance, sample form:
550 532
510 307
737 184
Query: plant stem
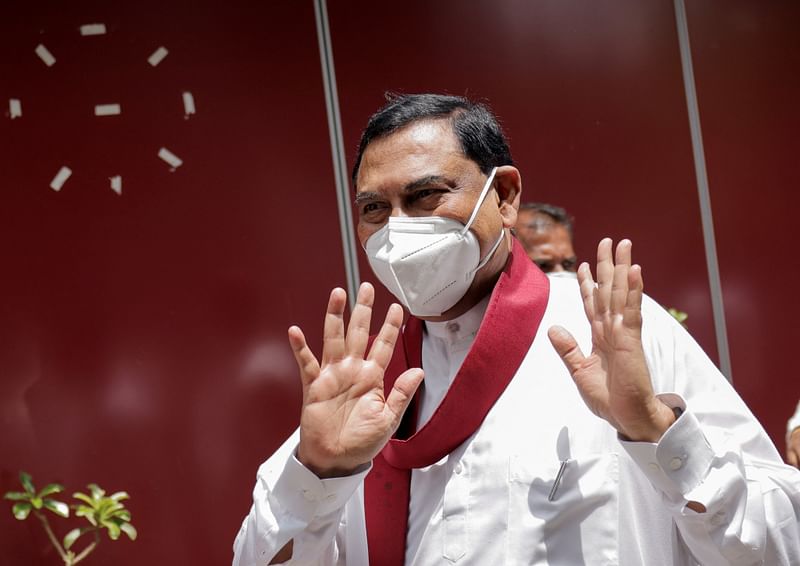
52 537
86 551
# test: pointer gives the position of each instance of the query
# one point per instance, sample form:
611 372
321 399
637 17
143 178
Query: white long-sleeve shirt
488 502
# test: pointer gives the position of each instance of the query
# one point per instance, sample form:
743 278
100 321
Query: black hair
558 214
476 128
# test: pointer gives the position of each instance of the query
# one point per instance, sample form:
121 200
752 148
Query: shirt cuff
679 462
303 495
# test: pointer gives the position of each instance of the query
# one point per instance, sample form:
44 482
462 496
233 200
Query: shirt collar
461 329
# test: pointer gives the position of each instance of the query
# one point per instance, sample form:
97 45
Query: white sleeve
716 454
290 503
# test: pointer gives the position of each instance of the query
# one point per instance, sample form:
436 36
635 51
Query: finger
358 329
306 361
605 277
633 305
383 345
587 286
567 348
619 287
402 392
333 329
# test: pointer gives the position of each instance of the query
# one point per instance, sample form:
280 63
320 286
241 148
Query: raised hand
345 419
613 379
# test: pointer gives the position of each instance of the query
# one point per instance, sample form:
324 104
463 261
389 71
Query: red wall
746 57
142 336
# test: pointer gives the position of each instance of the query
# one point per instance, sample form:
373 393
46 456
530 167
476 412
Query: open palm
613 379
346 419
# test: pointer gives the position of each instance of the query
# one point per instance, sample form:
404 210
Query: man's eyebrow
365 196
412 186
429 180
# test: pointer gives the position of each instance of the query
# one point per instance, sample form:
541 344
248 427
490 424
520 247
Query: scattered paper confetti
93 29
107 110
60 178
116 184
188 104
170 158
45 55
14 108
157 56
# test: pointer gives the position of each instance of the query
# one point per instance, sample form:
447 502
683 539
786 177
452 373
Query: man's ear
508 184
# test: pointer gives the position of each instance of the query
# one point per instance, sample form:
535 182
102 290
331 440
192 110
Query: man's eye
569 264
370 207
544 265
424 193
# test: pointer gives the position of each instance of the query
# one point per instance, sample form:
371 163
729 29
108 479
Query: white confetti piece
188 104
116 184
157 56
45 55
170 158
93 29
107 110
14 108
60 178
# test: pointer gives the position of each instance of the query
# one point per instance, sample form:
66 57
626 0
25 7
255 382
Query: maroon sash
506 333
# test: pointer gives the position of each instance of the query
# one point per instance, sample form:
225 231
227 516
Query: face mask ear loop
481 198
486 259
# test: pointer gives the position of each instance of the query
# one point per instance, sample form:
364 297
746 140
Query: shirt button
653 466
453 327
330 497
308 495
459 468
676 464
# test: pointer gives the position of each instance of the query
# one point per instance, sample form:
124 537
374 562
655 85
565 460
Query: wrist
663 417
325 469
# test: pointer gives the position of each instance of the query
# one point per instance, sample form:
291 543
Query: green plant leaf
129 530
16 496
58 507
119 496
84 511
96 491
37 502
113 529
85 498
27 482
121 515
22 510
50 489
71 537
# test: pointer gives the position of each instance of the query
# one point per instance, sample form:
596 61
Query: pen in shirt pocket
562 452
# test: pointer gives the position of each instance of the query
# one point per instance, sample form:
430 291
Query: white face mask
562 275
428 262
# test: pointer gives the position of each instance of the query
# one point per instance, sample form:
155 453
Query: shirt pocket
574 523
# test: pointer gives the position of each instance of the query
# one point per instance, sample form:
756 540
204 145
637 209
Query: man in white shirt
645 456
545 231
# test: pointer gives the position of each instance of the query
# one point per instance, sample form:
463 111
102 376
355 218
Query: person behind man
793 439
646 456
545 232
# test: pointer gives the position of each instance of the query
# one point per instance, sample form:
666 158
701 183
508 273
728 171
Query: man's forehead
536 220
420 149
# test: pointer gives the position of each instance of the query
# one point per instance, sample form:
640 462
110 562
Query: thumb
567 348
402 392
